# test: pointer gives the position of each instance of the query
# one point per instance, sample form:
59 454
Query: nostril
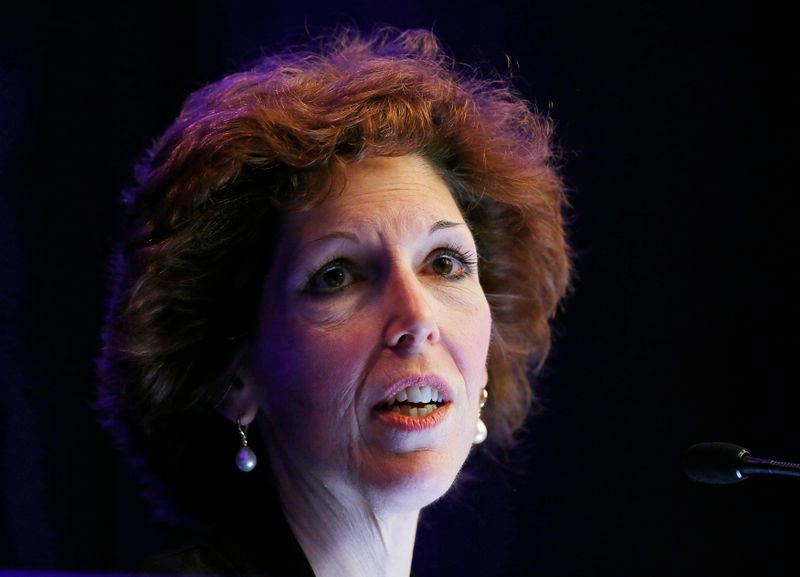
413 336
407 340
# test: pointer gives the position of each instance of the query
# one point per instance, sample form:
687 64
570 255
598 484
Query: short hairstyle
209 196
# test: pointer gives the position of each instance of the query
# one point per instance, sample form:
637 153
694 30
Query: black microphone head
716 463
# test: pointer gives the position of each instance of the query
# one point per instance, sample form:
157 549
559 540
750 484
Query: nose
411 321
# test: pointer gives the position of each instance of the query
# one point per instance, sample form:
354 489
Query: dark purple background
676 121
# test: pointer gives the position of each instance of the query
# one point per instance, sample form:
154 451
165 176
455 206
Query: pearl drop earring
481 431
245 459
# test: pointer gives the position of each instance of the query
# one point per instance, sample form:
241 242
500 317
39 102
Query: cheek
475 336
310 373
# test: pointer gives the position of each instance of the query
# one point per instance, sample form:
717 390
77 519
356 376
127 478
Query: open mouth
414 401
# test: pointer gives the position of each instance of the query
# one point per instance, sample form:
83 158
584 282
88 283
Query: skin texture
376 284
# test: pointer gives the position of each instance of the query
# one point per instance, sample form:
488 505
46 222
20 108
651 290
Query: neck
341 532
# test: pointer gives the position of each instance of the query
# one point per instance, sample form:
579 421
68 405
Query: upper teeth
424 394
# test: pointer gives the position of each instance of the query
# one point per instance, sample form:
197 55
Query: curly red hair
210 193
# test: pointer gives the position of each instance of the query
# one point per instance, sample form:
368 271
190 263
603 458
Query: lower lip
407 423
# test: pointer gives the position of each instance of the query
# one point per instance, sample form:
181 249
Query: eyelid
467 258
336 262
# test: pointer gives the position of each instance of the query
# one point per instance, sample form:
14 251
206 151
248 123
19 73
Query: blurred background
676 122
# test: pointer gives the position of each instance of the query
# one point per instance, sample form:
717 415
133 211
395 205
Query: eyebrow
442 224
438 225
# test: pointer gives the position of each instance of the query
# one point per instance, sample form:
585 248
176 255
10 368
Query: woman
337 258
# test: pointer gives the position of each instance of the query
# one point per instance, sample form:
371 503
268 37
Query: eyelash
340 262
467 259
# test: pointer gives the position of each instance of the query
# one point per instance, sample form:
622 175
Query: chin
412 481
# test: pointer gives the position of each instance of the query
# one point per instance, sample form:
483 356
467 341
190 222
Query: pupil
443 265
334 277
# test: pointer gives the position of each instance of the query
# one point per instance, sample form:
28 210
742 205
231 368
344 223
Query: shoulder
197 559
234 554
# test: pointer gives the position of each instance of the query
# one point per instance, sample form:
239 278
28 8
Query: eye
333 277
452 263
446 265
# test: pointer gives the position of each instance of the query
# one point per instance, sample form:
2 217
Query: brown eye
452 264
443 265
334 276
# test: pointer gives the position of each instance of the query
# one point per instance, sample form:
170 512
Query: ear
241 401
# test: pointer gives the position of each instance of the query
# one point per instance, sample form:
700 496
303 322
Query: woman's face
374 333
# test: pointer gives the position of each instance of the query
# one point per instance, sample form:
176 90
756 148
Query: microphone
724 463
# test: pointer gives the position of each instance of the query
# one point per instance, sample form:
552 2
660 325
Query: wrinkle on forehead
397 195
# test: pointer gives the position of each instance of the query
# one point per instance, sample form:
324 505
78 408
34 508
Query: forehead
401 193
